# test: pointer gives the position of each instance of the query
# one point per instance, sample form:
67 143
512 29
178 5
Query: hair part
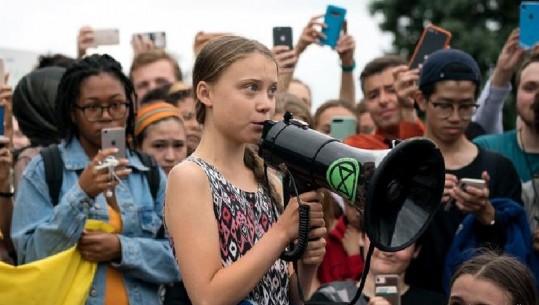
505 272
69 90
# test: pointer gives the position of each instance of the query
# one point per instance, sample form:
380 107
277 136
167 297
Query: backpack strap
54 175
152 176
154 179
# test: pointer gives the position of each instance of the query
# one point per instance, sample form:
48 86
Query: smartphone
387 286
342 127
529 24
432 39
282 36
104 37
477 183
159 39
114 137
334 19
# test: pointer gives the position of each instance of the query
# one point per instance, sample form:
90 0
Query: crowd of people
194 216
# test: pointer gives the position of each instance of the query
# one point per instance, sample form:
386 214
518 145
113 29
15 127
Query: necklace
528 165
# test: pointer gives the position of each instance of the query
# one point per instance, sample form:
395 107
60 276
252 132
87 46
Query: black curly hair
69 91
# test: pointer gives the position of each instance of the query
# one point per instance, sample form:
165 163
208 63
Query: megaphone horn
400 188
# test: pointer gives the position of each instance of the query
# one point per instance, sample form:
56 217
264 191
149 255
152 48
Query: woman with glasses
134 260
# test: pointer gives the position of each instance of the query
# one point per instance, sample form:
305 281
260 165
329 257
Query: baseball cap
449 64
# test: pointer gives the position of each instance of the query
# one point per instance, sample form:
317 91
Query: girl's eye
272 90
251 87
158 146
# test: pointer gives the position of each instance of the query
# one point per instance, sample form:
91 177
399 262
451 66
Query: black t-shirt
347 290
426 270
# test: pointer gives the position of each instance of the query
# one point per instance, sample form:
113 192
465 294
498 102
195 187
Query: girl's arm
192 225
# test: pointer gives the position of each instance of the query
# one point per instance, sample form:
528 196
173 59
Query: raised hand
94 181
508 60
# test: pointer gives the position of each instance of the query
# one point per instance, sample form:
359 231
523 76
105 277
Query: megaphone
399 189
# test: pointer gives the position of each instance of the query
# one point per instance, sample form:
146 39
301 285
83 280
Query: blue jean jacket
40 230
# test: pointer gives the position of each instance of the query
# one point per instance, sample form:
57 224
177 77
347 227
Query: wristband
350 68
6 194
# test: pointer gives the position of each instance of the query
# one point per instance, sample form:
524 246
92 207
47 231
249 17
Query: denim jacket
40 230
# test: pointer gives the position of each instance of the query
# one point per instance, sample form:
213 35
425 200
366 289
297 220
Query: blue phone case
529 24
334 20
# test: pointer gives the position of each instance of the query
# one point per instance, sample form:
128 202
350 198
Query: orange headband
153 112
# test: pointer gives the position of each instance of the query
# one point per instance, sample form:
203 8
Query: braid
69 91
254 163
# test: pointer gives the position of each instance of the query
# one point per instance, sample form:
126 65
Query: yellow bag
62 279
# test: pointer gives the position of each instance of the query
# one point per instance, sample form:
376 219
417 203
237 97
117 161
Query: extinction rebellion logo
342 175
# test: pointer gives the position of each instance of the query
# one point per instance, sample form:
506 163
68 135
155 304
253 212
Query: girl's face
105 94
166 142
470 290
243 98
390 262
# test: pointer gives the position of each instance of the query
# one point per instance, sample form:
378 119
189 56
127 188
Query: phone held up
342 127
334 19
159 39
529 24
387 286
282 36
432 39
114 137
103 37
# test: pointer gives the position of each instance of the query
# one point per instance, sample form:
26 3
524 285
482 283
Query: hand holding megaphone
399 189
289 221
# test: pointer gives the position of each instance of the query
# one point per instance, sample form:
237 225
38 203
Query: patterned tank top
242 219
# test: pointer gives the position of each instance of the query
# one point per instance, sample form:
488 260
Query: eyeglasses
444 109
94 112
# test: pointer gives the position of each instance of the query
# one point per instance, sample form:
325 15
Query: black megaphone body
398 189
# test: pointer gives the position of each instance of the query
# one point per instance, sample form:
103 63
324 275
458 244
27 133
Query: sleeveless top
242 219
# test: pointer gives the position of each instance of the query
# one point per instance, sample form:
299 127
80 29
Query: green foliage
478 27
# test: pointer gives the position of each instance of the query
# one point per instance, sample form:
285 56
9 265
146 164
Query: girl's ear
203 93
